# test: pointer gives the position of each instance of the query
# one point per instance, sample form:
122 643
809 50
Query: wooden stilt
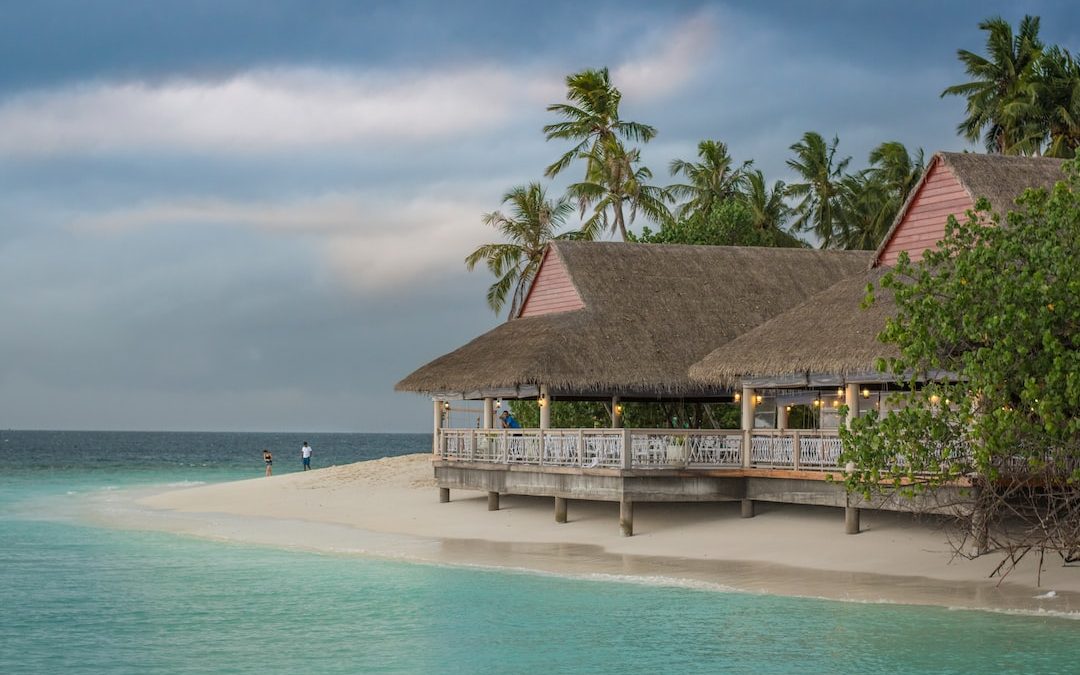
851 519
560 509
626 517
493 501
444 495
747 508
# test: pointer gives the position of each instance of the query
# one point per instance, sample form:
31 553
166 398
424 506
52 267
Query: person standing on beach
269 459
305 455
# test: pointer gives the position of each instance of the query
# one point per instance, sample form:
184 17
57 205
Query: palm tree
591 119
893 166
868 201
532 223
712 180
1001 98
1059 93
815 161
867 207
615 184
769 210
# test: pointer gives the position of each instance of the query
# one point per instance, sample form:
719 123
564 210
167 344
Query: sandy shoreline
389 508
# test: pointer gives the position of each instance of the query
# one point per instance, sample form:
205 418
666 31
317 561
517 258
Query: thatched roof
650 312
829 333
998 178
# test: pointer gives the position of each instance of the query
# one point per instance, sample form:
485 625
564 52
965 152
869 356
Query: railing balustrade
649 448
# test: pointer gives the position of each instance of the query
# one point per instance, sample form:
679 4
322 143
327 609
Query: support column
851 519
747 422
489 409
851 399
781 416
444 495
437 424
545 407
616 413
747 508
560 509
493 501
626 516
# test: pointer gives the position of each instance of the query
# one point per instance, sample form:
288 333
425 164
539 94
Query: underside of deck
682 485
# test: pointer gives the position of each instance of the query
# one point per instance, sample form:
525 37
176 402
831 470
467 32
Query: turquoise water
79 599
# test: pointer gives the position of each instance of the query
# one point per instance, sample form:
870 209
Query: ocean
77 598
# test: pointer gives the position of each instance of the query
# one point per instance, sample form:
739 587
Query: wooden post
851 400
545 407
437 425
560 509
444 495
781 416
493 501
626 516
851 520
627 450
489 409
747 508
796 450
747 424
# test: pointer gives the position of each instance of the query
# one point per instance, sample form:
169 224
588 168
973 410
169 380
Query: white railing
649 448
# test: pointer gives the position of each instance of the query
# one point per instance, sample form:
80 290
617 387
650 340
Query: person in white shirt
305 455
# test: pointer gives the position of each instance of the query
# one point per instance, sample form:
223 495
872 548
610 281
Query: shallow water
83 599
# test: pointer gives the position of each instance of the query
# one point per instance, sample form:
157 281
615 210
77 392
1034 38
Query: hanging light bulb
738 397
865 392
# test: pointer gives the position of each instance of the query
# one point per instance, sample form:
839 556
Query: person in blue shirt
508 421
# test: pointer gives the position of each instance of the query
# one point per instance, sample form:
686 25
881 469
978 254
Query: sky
252 215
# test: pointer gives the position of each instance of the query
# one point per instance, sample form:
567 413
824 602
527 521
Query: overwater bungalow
769 329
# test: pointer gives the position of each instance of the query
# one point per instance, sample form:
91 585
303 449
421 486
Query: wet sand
389 508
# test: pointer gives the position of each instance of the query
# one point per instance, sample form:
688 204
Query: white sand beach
389 507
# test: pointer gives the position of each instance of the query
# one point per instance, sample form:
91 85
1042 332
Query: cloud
368 241
267 110
670 59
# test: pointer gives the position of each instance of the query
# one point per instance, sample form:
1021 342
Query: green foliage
992 312
727 223
637 415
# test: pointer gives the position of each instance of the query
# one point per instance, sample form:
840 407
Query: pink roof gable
552 290
920 225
